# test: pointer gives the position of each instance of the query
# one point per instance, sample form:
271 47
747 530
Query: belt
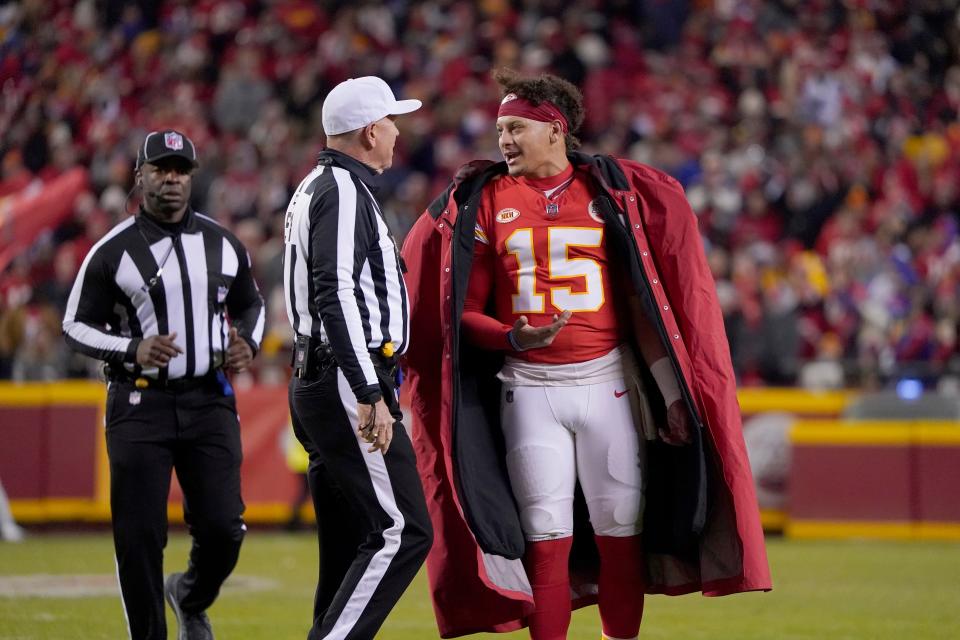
175 385
312 357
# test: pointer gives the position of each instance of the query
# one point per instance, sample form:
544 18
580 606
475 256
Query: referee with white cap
347 302
167 300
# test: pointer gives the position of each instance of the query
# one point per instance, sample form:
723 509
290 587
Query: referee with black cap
167 300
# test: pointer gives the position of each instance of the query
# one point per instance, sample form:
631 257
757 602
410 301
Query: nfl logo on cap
173 140
166 144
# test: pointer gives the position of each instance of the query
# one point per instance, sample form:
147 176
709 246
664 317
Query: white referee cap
357 102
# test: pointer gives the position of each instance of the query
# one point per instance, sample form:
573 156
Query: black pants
373 526
149 433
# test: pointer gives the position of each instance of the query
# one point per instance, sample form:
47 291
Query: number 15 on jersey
562 272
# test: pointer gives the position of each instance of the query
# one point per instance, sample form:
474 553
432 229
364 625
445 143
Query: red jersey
539 256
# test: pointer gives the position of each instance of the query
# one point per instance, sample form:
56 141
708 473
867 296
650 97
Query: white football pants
556 435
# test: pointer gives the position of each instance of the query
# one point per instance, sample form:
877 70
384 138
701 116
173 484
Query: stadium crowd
818 142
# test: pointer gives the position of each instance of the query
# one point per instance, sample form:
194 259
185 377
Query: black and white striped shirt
342 271
117 298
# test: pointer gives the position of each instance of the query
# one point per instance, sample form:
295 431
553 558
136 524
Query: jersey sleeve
479 328
244 302
89 311
341 233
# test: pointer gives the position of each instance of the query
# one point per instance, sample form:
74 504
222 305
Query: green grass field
822 590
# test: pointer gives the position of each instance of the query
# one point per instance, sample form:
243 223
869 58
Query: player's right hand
530 337
157 351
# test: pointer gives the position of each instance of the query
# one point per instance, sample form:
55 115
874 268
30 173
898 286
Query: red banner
25 215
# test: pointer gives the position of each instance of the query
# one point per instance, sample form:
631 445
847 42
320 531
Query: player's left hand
679 427
239 353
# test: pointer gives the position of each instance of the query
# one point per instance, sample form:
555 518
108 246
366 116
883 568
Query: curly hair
546 87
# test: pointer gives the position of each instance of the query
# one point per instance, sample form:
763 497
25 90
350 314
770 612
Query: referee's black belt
174 385
312 357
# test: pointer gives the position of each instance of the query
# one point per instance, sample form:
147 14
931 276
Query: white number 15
559 265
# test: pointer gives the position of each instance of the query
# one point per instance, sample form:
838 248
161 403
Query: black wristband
513 341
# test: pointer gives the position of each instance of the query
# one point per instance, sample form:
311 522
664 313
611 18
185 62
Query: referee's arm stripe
347 274
389 280
244 301
86 306
230 262
257 333
393 280
297 282
370 306
290 266
96 344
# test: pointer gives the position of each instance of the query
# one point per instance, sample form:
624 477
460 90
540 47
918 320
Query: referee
348 305
167 300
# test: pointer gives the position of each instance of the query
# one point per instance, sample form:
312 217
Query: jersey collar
155 230
550 182
332 157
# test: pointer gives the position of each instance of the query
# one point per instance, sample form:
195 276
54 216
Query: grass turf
835 590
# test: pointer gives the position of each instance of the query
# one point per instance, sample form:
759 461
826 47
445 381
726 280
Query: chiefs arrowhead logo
507 98
507 215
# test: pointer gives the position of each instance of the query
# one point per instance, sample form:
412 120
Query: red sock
547 564
621 585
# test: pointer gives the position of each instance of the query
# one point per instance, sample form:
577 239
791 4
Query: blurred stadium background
818 142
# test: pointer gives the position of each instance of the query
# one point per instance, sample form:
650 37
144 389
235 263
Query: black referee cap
164 144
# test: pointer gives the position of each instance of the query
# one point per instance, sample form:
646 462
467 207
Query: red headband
546 111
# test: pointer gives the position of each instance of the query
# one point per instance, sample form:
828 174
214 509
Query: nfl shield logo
553 210
173 140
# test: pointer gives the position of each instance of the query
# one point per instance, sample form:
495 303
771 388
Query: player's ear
556 131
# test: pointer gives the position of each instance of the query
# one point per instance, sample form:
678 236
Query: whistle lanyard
150 284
